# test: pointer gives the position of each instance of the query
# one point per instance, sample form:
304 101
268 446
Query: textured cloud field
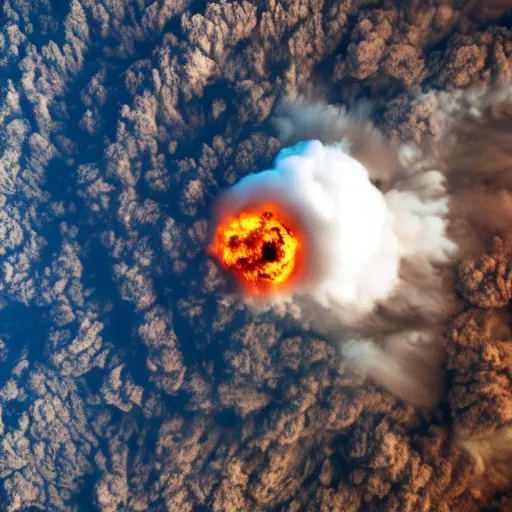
130 378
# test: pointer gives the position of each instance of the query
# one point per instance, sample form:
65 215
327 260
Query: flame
259 247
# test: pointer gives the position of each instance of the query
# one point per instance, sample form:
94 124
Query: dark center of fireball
269 252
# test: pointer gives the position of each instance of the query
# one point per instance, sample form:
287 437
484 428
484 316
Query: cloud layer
130 380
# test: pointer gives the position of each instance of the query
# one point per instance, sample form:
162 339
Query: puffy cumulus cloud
486 281
132 376
48 442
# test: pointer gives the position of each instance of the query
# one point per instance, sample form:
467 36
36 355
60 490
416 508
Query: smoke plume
368 258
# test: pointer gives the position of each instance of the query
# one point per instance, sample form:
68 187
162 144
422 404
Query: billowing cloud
131 377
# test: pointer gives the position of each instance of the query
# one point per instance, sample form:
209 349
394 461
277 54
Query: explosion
314 230
259 247
313 225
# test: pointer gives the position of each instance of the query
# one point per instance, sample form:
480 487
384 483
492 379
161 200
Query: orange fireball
260 247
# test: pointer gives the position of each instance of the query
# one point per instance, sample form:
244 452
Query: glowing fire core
258 247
